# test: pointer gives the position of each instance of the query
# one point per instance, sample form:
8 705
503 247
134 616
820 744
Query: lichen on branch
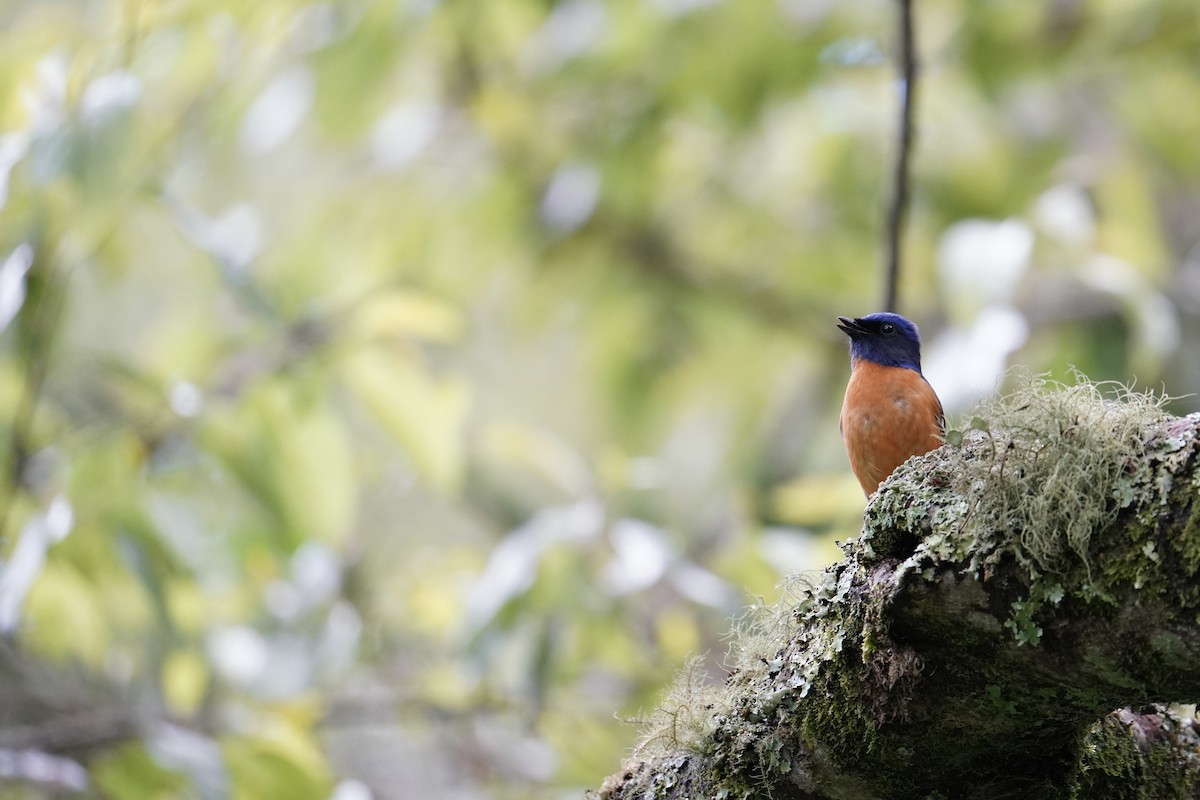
1007 591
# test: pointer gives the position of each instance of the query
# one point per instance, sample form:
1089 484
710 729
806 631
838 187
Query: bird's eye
887 329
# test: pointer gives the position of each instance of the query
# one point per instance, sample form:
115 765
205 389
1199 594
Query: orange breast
889 415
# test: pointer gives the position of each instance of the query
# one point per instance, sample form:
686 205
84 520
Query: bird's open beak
851 327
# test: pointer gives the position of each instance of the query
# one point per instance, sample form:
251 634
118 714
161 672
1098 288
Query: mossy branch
1010 598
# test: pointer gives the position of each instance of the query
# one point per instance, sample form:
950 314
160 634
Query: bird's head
887 339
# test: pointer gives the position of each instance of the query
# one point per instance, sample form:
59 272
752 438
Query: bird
890 411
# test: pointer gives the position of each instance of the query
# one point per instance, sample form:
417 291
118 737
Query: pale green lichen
683 719
1063 462
688 712
1034 476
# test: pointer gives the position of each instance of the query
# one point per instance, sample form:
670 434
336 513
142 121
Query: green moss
1188 539
1140 757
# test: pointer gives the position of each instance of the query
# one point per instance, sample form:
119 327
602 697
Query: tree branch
978 634
898 205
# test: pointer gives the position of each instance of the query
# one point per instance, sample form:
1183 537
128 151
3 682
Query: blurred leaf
513 445
352 72
185 678
129 773
424 413
291 451
448 689
678 634
402 313
188 607
262 768
64 617
1162 113
1130 220
816 499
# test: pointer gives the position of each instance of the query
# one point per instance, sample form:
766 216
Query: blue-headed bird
890 412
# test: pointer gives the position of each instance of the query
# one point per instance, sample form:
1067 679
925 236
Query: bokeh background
396 394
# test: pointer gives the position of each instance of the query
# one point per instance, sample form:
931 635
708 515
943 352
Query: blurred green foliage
396 391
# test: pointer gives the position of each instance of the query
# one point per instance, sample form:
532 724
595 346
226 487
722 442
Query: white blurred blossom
702 586
278 111
1065 213
351 790
109 94
45 97
317 571
404 132
192 753
512 568
239 653
570 199
186 398
981 262
963 364
234 237
12 282
56 774
571 30
17 575
640 556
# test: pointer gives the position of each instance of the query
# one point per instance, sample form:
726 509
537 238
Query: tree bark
959 652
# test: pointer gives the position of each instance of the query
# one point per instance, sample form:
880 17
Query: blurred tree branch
86 730
655 255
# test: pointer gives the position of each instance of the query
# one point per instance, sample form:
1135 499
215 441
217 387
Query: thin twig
898 207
